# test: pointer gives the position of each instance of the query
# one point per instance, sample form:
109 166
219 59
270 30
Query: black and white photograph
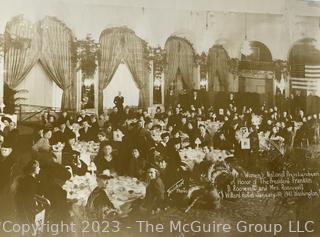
173 118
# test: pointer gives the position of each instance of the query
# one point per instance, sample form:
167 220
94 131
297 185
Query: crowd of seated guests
128 145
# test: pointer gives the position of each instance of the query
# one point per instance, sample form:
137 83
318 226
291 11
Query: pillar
150 102
78 90
196 76
96 89
1 81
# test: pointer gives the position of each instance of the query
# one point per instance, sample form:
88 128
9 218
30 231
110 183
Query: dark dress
136 166
52 176
102 164
61 136
7 167
86 136
12 137
155 195
27 187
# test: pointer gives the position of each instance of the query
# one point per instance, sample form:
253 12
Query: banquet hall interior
157 108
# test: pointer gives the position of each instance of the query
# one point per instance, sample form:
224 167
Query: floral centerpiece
191 156
213 127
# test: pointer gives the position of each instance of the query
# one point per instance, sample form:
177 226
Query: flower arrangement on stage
12 99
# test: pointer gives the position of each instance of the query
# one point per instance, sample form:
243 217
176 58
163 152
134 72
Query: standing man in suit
118 101
171 100
184 99
195 100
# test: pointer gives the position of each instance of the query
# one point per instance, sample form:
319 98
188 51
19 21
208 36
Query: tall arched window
255 70
260 53
304 62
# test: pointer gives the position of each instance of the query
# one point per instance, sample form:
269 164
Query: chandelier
316 44
246 49
203 83
157 83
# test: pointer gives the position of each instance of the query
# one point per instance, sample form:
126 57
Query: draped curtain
121 44
49 41
56 57
21 50
218 67
180 56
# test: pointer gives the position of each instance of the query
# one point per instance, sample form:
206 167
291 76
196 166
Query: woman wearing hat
6 122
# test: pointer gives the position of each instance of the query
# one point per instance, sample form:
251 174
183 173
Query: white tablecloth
120 189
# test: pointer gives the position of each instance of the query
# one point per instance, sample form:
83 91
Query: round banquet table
120 189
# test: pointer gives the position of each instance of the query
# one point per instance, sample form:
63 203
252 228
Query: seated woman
274 135
136 164
13 133
99 205
43 144
77 165
27 193
155 193
106 160
67 149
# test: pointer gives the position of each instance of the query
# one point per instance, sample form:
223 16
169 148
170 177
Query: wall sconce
246 49
157 84
87 82
316 44
203 83
2 105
